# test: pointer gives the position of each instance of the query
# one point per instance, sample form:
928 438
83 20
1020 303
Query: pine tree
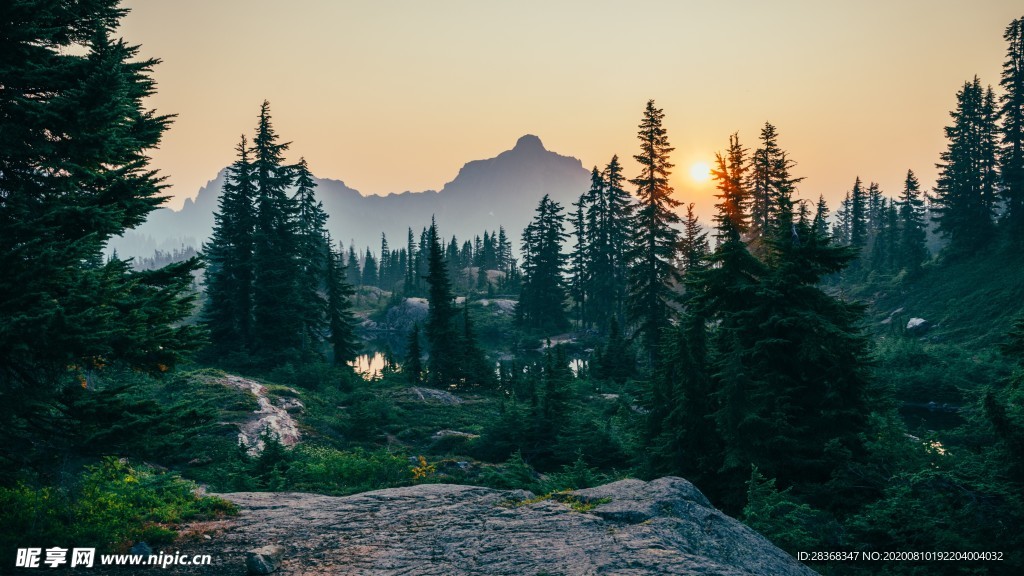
875 208
730 172
912 234
693 247
885 246
841 227
442 336
74 172
277 315
490 260
504 250
578 262
476 370
352 272
820 223
313 253
683 439
542 295
684 397
653 249
228 256
452 257
858 215
770 183
340 321
413 365
370 276
964 198
790 363
1011 152
619 220
608 223
556 383
383 273
595 254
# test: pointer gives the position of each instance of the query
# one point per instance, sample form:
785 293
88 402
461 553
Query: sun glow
700 172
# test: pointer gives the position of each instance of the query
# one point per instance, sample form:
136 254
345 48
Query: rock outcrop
276 419
630 527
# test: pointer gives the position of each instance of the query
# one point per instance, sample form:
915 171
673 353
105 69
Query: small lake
371 365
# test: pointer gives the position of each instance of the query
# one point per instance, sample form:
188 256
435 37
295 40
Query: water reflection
369 365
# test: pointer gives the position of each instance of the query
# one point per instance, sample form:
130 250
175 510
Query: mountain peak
529 142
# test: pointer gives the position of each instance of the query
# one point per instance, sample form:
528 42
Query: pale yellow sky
396 95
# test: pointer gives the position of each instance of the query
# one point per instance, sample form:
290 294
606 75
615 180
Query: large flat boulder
630 527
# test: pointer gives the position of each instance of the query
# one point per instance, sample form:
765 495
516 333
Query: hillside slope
970 301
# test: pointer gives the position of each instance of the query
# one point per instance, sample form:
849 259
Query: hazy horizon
393 97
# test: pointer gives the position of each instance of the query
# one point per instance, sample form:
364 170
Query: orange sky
396 95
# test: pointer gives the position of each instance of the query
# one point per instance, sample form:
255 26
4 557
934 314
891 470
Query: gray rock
453 433
291 405
401 318
629 527
141 549
434 395
918 325
265 560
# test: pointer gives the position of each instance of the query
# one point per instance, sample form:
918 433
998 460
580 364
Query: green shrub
111 505
779 516
331 471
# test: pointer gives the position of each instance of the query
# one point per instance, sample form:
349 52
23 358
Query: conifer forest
838 375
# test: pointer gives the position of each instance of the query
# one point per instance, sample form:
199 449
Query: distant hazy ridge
500 191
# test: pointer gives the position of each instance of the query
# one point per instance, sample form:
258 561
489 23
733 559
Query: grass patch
109 506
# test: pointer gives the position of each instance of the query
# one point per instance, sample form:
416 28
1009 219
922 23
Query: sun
700 172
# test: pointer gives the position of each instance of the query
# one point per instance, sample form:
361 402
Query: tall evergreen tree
277 315
964 198
413 365
578 262
383 273
912 230
476 369
875 213
352 272
598 259
313 253
442 335
228 256
609 211
1011 153
619 224
370 276
820 223
858 215
841 227
885 246
790 362
542 296
340 321
504 250
770 184
74 172
693 246
655 239
686 440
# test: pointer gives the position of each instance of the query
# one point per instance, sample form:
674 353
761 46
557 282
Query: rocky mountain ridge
486 194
